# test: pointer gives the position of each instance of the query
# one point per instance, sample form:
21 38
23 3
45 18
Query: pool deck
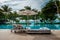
7 35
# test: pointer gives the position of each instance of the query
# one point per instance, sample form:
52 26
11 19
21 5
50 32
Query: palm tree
5 10
12 16
27 8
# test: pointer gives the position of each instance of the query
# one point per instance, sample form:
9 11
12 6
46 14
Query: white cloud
1 1
19 4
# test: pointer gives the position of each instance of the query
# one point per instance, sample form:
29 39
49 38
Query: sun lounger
17 28
38 31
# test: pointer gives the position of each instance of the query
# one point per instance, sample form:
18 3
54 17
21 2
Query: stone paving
7 35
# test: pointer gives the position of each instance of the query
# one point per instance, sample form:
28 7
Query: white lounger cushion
38 30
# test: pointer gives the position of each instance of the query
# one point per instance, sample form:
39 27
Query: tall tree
50 10
57 3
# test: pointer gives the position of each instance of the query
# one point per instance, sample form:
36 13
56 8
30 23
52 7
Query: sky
19 4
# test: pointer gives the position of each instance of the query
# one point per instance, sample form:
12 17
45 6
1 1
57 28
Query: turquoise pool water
6 26
50 26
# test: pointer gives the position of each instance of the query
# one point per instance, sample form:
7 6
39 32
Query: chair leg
11 30
14 31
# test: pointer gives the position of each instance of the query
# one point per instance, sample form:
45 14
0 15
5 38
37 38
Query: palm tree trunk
57 7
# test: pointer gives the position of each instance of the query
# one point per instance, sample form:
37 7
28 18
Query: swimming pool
50 26
6 26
